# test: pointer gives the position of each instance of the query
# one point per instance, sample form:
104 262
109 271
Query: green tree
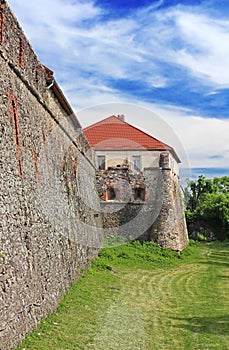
208 205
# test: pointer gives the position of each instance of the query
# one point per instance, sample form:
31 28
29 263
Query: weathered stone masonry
146 205
47 230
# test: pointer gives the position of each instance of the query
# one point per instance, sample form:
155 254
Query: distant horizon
208 173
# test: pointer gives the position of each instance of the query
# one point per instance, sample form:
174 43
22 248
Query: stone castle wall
47 228
169 227
157 215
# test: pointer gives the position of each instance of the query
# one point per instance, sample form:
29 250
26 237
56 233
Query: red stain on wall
2 23
13 110
36 164
21 53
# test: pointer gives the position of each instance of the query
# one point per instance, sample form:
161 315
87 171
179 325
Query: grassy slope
143 297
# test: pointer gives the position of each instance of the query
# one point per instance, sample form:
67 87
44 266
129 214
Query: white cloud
56 12
205 138
132 47
107 48
205 51
129 48
86 52
200 138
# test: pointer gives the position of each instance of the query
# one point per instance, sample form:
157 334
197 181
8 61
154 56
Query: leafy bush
201 237
208 206
140 254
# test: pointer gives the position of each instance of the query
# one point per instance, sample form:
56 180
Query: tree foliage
207 203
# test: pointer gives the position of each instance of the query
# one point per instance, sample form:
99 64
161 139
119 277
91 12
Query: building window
111 194
136 162
101 162
139 194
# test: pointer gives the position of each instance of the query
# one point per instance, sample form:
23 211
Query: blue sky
168 56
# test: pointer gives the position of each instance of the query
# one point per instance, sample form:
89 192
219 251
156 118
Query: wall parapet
17 49
48 231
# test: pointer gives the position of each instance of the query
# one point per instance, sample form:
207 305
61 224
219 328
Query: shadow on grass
215 263
211 325
219 246
220 256
223 276
217 258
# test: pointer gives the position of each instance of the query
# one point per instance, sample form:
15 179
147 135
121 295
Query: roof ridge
104 134
100 122
147 134
124 122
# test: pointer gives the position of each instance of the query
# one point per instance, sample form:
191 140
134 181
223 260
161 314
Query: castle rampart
47 230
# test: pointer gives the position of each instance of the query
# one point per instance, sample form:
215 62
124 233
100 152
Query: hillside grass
142 297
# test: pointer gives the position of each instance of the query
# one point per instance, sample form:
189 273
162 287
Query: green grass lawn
137 297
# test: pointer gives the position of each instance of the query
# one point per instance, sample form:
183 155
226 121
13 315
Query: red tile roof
113 133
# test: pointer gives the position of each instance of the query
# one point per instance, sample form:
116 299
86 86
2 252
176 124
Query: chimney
121 117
